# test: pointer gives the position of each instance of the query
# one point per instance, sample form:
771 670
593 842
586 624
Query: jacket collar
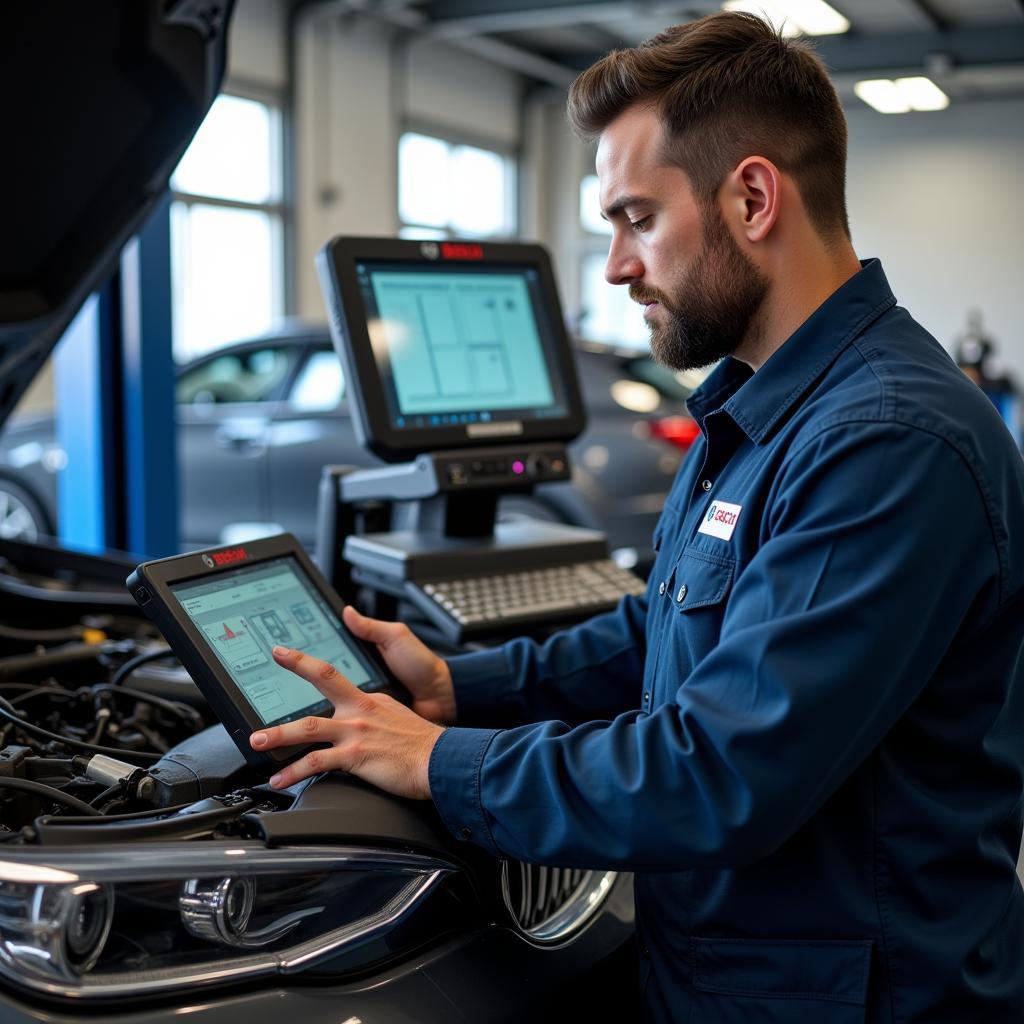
757 401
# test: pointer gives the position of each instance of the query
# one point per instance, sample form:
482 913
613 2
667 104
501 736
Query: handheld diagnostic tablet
223 610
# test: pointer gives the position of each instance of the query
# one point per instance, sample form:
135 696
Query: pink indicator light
518 468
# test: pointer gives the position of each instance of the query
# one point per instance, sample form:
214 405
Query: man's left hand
372 736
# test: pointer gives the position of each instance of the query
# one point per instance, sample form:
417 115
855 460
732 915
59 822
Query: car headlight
103 923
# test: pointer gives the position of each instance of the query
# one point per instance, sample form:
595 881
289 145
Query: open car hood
101 100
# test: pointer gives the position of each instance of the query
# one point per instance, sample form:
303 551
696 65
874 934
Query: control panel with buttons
506 468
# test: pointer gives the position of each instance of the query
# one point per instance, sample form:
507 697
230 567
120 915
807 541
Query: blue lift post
84 383
115 408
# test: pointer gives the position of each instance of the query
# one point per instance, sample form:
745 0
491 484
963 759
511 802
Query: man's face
699 291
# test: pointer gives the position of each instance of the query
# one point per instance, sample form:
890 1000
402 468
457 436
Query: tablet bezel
150 584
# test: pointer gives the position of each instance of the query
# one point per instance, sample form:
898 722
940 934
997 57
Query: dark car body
257 420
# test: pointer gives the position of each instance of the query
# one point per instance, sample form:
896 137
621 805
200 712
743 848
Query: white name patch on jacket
720 519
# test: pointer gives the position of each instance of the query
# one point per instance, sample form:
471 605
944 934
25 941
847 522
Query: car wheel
22 516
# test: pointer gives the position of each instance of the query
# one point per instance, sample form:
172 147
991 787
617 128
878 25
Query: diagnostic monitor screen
460 345
242 614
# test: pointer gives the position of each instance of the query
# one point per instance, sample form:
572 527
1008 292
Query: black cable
51 659
54 795
131 756
50 691
174 707
181 826
39 636
150 812
140 659
103 716
106 794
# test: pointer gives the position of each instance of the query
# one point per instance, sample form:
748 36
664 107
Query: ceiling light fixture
794 17
883 95
902 95
922 93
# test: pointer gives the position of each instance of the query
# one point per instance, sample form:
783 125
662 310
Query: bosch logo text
226 557
720 519
461 251
719 515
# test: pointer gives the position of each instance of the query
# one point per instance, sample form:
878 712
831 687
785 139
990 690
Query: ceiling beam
403 15
980 45
517 59
925 9
968 45
450 19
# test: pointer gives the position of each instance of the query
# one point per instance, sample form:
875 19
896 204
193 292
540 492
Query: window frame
279 209
589 245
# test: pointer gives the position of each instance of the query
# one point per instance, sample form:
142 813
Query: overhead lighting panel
922 93
794 17
883 95
901 95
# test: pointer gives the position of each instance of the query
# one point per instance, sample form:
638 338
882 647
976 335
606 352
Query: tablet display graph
243 615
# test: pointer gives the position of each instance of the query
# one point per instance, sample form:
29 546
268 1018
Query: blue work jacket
807 738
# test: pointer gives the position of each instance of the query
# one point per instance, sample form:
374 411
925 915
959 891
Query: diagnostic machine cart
460 372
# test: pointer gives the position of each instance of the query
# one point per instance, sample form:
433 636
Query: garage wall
936 196
256 44
359 83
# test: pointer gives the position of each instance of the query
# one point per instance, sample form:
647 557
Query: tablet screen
243 613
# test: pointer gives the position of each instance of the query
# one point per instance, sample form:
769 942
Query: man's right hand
422 672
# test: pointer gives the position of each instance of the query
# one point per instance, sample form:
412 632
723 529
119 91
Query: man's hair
726 87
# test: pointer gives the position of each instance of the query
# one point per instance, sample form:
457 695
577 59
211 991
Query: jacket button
662 588
465 833
681 594
647 698
706 484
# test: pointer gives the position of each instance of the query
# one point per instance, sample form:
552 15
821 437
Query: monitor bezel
188 642
337 262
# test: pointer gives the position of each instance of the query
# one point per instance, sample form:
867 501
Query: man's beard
712 307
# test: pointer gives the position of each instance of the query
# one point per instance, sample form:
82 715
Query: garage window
607 313
226 228
448 189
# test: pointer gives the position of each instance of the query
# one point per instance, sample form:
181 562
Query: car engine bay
141 855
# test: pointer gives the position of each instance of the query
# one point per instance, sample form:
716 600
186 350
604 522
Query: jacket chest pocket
699 594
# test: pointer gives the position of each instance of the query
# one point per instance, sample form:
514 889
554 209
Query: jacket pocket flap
700 582
830 970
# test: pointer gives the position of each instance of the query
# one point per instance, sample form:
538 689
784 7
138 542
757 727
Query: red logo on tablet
228 556
461 251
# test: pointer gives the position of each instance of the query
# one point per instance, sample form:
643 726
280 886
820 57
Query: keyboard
479 605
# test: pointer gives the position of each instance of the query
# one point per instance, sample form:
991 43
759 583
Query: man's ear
752 197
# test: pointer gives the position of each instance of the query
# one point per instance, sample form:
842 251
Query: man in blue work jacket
807 738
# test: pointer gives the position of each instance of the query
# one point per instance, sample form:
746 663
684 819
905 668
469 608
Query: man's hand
372 736
422 672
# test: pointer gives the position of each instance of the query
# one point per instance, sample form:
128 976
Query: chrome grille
551 905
